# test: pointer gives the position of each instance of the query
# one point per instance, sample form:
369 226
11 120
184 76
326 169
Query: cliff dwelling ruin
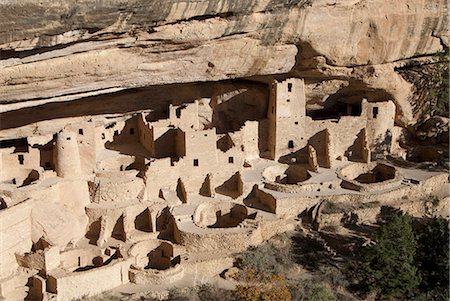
134 198
144 144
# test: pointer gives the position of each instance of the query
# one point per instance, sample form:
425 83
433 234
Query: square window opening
291 144
21 159
195 162
132 131
289 87
374 112
80 131
230 160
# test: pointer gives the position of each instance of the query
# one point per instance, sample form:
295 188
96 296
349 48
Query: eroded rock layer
66 50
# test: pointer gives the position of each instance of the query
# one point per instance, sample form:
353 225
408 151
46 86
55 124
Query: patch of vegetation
309 252
262 287
101 297
431 85
320 293
271 258
390 263
433 257
408 262
435 200
204 292
331 207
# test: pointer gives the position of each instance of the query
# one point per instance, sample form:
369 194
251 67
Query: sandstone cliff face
65 50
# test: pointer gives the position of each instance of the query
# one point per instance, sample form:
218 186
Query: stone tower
286 113
67 156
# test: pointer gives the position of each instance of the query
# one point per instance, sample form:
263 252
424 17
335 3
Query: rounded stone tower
67 156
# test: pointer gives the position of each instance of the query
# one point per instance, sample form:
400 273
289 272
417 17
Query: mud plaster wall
343 132
60 216
15 236
380 119
145 134
10 163
287 107
114 189
201 157
91 282
85 135
67 156
219 239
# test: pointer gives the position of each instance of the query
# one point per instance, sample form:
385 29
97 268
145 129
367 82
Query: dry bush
262 287
272 258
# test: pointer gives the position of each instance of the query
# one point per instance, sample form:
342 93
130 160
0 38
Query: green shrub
204 292
389 264
433 257
266 258
320 293
208 292
183 294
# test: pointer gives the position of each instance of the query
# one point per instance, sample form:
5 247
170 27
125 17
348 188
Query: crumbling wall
145 134
60 217
14 163
15 236
88 283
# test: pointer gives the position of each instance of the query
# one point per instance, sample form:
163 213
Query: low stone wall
349 172
208 268
70 286
156 277
293 206
217 239
299 188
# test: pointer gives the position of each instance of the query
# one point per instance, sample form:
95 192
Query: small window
20 157
375 112
103 135
296 122
131 131
291 144
116 132
289 87
195 162
178 112
79 261
68 138
230 160
80 131
288 100
206 135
